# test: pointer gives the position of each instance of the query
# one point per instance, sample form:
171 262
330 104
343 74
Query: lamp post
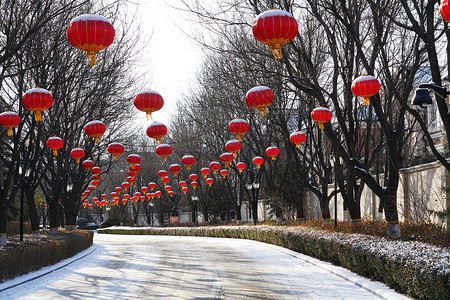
333 164
195 199
422 95
151 212
253 187
27 173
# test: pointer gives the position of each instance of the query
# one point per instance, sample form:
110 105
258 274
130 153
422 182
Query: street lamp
27 173
333 163
151 203
254 186
195 198
422 96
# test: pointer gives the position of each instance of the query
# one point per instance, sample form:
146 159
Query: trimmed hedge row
48 251
398 274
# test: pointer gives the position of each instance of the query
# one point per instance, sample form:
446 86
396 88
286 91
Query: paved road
164 267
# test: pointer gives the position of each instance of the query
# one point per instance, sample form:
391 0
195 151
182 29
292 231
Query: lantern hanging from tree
444 9
238 127
205 172
149 101
115 149
152 186
149 195
37 100
113 195
131 180
96 170
182 183
90 33
171 193
118 190
273 152
259 97
185 189
167 188
158 194
233 146
125 186
87 165
224 173
95 183
215 166
209 181
156 130
103 196
226 158
77 154
194 184
297 137
162 173
95 129
90 188
142 198
163 150
175 169
144 189
91 205
132 173
55 143
188 161
241 166
258 161
133 159
193 177
321 115
365 86
135 168
9 120
275 28
165 179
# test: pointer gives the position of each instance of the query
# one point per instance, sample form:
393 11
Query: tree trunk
34 218
3 224
54 217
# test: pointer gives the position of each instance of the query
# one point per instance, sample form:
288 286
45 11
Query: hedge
364 255
48 251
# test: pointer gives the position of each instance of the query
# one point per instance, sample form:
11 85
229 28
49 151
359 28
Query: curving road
165 267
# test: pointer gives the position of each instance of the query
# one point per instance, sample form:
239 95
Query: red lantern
272 151
238 127
96 170
113 195
77 153
171 193
144 189
321 115
444 9
136 168
241 166
297 137
133 159
137 194
193 177
175 169
142 198
165 179
9 120
194 184
131 180
258 161
158 194
167 188
152 185
226 158
188 161
365 86
233 146
162 173
185 189
95 177
209 181
115 149
103 196
156 130
182 183
88 164
125 186
37 100
259 98
275 28
91 205
95 129
90 188
55 143
215 166
149 101
90 33
224 173
132 173
149 195
118 190
95 183
205 172
163 150
124 201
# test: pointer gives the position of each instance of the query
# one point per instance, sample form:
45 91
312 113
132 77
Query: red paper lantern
165 179
259 98
132 173
171 193
118 190
96 170
175 169
37 100
152 185
444 9
9 120
156 130
95 177
193 177
144 189
258 161
205 172
233 146
90 33
321 115
162 173
133 159
275 28
137 194
226 158
209 181
273 152
185 189
131 180
182 183
103 196
241 167
55 143
224 173
365 86
125 186
238 127
91 205
95 183
194 184
90 187
142 198
115 149
163 150
77 154
95 129
149 101
297 137
188 161
215 166
135 168
87 164
113 195
124 201
158 194
149 195
167 188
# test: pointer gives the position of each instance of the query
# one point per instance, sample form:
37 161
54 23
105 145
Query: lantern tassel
238 136
91 56
188 167
274 158
55 152
321 126
235 154
116 157
366 101
149 116
158 141
276 51
97 139
37 116
10 132
78 160
165 158
258 166
240 171
262 112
